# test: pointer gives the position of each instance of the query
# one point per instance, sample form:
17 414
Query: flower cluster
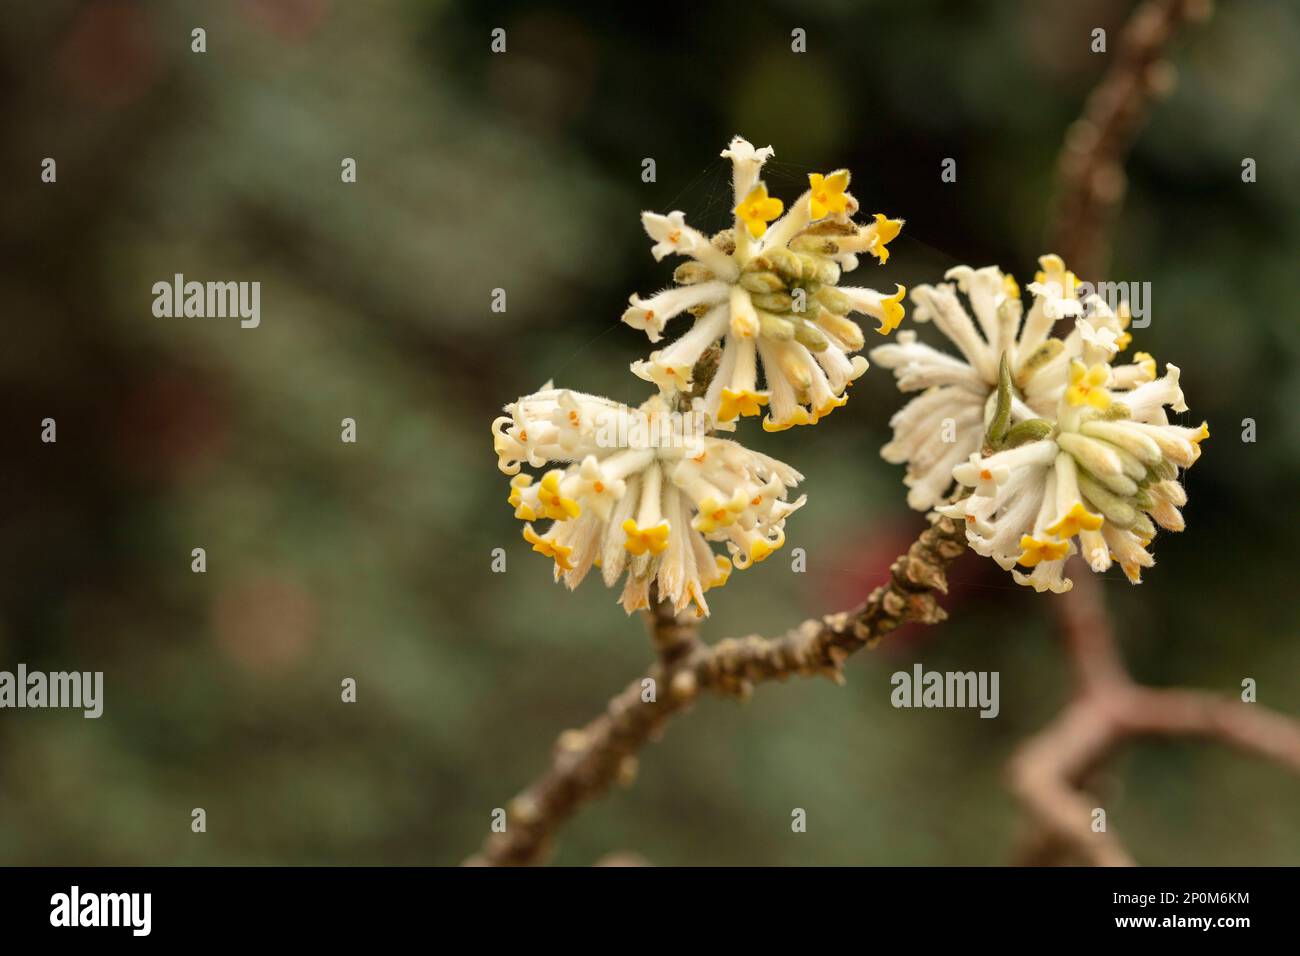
768 290
1048 439
634 497
642 493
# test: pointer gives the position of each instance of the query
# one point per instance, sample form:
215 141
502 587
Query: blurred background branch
1052 771
372 560
1091 180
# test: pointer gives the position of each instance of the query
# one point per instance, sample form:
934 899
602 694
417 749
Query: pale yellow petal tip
1034 551
799 416
1133 572
1049 262
1077 519
714 514
523 510
742 402
762 548
832 403
697 599
1146 362
894 311
887 231
653 539
826 193
1202 433
549 548
758 209
722 573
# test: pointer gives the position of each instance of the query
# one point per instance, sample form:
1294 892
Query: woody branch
587 761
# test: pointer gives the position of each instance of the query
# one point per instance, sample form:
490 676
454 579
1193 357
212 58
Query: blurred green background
328 560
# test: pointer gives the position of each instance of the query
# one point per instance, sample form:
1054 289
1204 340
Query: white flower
642 492
1103 471
771 296
946 423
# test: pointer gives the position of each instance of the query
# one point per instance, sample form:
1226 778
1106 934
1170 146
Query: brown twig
1049 772
673 635
1090 168
587 761
1052 772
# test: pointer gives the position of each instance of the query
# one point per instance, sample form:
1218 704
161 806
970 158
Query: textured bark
588 761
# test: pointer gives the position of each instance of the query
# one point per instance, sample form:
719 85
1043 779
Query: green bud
1024 432
809 337
1001 421
819 269
1163 470
832 227
690 273
761 282
774 327
786 264
817 245
1143 527
1113 508
812 310
773 301
834 300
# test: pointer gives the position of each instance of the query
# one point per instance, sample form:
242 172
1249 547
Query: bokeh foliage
371 560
